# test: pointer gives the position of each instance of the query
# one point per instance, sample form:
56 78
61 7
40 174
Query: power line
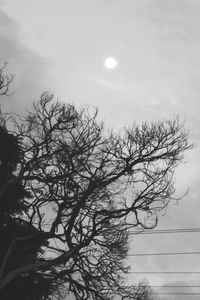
168 231
174 286
164 253
162 272
175 293
167 286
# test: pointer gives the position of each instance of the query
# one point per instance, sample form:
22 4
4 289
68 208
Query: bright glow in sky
110 63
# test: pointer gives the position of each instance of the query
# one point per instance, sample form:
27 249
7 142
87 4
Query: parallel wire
162 272
175 293
168 231
164 253
168 286
175 286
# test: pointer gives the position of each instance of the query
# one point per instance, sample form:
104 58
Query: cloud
157 45
29 68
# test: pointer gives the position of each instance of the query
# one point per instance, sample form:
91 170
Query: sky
61 46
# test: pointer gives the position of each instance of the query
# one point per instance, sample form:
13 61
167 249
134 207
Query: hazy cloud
29 69
157 45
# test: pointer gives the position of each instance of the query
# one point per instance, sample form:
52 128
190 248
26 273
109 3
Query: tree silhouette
5 81
15 252
87 189
20 244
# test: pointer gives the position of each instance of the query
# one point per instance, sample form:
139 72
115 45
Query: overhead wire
173 292
166 231
168 286
164 253
162 272
160 293
175 286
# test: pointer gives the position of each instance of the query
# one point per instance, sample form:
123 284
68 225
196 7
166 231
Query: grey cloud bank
28 68
157 45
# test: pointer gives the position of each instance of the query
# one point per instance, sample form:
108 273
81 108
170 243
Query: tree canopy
87 190
15 252
72 191
17 249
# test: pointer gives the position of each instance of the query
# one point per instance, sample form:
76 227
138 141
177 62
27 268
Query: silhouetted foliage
5 81
86 190
20 242
16 251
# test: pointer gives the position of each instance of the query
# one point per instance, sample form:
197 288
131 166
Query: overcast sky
61 46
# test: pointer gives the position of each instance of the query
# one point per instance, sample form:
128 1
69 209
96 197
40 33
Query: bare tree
5 81
89 188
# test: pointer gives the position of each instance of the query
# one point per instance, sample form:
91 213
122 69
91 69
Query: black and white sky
61 46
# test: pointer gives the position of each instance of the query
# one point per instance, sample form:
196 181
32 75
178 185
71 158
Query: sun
110 63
